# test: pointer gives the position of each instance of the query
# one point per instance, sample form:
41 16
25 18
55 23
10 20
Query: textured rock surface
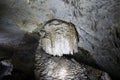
60 68
97 22
5 68
21 57
58 37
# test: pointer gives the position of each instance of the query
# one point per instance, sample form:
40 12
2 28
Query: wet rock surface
58 37
61 68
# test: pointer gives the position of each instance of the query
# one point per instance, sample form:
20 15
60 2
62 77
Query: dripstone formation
57 38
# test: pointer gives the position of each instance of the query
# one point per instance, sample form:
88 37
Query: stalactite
59 37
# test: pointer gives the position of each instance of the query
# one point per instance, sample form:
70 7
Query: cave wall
97 22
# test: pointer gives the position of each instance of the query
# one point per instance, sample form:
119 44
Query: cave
59 40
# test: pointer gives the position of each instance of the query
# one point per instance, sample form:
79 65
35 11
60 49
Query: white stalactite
59 37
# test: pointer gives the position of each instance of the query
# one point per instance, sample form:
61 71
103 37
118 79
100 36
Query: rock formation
96 21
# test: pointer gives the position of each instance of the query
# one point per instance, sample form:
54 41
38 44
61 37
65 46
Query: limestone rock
6 68
58 37
60 68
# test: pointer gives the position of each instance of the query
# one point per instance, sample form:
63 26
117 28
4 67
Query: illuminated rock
59 37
